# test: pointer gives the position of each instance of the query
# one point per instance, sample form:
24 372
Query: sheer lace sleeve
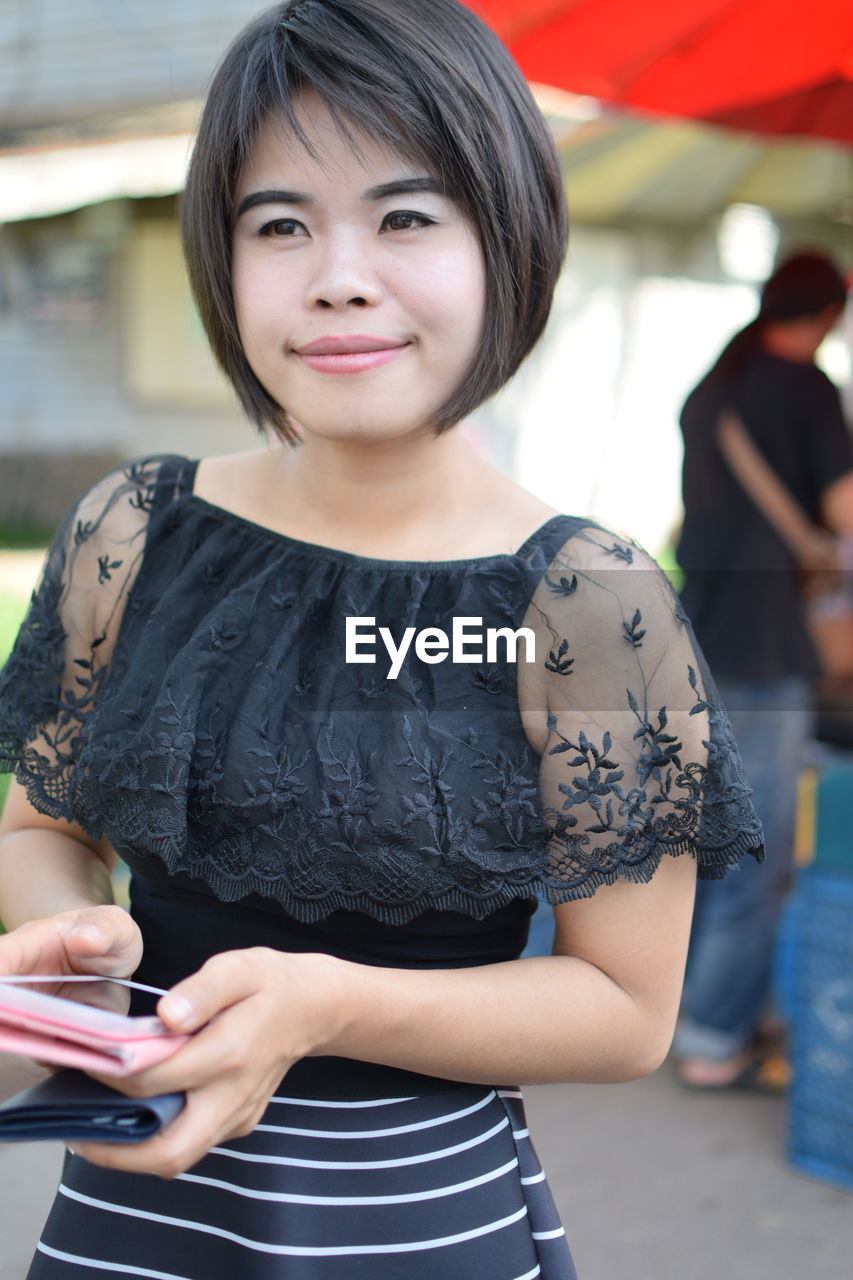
637 755
50 686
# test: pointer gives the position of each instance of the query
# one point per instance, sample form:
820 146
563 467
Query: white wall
593 415
63 59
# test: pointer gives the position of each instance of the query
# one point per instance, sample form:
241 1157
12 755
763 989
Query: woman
347 703
768 470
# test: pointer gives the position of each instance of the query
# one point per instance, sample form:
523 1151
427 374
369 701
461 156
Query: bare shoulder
516 512
231 477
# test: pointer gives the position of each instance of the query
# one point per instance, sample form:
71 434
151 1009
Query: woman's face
359 287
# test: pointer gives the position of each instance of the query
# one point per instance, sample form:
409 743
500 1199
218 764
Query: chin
363 429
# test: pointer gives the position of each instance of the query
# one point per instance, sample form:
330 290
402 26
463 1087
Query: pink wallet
66 1033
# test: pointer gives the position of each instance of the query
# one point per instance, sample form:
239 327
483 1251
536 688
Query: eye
404 220
282 228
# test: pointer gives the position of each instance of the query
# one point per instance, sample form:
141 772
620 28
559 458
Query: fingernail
89 931
177 1010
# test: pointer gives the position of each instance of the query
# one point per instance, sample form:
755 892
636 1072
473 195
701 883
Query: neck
373 496
791 341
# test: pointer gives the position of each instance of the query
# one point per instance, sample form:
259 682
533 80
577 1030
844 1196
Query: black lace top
181 685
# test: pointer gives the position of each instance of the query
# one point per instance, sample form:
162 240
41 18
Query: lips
351 353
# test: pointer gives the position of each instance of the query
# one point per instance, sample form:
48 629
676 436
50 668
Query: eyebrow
404 187
397 187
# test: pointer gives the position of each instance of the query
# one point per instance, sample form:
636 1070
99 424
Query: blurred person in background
767 488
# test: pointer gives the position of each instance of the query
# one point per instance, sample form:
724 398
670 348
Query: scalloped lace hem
636 865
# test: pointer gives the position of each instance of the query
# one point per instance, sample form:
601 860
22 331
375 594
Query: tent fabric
772 66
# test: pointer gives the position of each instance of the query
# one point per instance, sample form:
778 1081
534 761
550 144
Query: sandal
770 1076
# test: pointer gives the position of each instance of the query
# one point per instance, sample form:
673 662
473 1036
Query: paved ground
652 1183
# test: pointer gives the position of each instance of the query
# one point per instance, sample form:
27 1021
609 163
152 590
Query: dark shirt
741 586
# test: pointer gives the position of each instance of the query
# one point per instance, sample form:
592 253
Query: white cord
79 977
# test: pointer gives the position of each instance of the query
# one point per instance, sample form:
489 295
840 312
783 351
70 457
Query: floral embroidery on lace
179 686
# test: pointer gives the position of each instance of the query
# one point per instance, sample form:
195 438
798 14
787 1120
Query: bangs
366 83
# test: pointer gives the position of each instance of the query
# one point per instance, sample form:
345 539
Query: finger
106 939
10 955
203 1123
107 994
28 949
221 982
226 1047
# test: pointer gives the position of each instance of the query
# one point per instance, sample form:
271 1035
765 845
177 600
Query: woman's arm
56 897
49 689
603 1009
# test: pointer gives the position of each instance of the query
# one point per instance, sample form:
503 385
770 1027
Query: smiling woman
334 862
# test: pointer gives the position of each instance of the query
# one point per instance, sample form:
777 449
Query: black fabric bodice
181 685
183 928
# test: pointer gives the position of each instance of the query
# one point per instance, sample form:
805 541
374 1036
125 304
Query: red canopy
772 66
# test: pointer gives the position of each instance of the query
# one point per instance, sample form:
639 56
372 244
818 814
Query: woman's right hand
101 940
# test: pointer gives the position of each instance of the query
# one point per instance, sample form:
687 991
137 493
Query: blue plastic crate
833 851
820 977
784 960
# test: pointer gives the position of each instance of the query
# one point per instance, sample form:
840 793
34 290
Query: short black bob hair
429 80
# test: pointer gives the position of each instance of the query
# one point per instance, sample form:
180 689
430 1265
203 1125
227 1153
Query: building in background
102 356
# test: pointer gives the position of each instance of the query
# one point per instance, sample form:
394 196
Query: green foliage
667 561
23 537
12 609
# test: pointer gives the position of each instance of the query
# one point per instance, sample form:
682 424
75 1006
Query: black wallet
70 1106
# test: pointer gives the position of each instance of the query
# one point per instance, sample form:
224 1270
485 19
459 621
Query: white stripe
549 1235
521 1133
378 1133
330 1102
511 1093
123 1269
538 1177
117 1268
284 1197
363 1164
299 1251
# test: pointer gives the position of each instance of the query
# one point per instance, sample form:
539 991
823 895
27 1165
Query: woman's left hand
257 1012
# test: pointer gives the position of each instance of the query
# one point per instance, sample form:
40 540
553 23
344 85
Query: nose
344 275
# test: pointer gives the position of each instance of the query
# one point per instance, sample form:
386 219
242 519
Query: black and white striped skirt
443 1186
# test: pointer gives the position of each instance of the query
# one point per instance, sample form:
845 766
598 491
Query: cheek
242 295
451 294
465 283
257 303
